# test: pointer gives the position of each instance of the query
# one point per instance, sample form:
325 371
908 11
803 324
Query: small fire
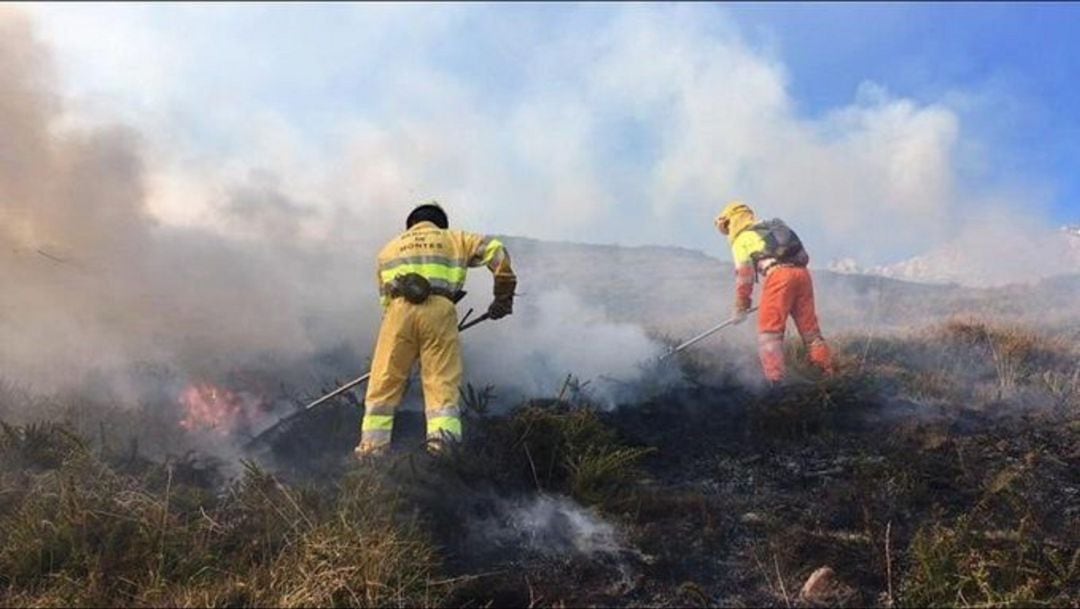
211 408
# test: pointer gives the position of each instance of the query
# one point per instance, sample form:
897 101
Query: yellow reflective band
374 422
376 438
430 271
450 425
493 247
449 411
421 259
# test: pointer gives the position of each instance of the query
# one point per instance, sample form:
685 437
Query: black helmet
428 212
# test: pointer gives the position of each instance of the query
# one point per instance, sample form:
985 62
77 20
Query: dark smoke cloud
90 282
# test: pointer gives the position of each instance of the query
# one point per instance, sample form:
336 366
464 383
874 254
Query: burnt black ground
746 493
749 490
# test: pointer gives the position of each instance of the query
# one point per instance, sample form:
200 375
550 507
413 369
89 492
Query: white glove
739 316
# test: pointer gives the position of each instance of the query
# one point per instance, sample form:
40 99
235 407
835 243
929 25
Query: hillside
676 290
940 467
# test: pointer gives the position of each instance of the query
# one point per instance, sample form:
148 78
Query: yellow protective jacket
753 255
426 331
442 256
744 244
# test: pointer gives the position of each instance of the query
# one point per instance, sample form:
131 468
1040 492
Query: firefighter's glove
503 304
740 314
501 307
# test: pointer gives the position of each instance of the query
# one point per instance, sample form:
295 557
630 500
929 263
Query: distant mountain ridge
984 265
678 291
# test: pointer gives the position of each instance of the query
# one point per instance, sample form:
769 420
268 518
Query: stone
818 585
751 518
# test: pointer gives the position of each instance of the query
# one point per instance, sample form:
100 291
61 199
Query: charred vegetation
939 468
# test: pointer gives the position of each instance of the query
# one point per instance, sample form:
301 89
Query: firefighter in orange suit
420 275
772 250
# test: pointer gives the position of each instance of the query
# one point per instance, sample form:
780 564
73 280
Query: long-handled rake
463 325
705 334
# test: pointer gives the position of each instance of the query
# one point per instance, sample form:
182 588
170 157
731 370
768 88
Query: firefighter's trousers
428 332
789 291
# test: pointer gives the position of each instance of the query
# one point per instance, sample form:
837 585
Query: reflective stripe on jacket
441 256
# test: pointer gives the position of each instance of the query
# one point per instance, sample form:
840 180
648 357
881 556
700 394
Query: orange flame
211 408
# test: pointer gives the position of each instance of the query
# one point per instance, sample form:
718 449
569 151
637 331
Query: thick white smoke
628 124
95 284
554 334
231 238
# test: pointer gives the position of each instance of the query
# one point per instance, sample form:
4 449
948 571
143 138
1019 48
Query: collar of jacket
738 223
419 225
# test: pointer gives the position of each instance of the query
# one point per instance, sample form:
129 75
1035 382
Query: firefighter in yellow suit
420 275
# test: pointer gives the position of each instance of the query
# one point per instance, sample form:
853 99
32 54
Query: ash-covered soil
743 506
746 495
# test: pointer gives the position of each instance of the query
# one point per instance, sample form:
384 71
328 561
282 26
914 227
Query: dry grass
86 526
1014 546
77 531
966 361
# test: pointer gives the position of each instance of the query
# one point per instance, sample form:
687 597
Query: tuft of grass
1064 388
545 445
826 407
38 445
958 565
571 451
1011 547
76 530
476 403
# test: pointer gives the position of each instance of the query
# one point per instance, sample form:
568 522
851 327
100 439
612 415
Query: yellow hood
739 217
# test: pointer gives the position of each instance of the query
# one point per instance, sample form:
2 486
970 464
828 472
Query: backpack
781 243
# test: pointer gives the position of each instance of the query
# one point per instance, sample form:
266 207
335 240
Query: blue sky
605 123
1028 53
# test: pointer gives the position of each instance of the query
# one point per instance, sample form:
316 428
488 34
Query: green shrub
969 563
571 451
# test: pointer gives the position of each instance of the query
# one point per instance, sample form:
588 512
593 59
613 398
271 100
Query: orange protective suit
787 291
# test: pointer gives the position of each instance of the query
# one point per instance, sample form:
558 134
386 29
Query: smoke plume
95 286
550 526
260 268
92 282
